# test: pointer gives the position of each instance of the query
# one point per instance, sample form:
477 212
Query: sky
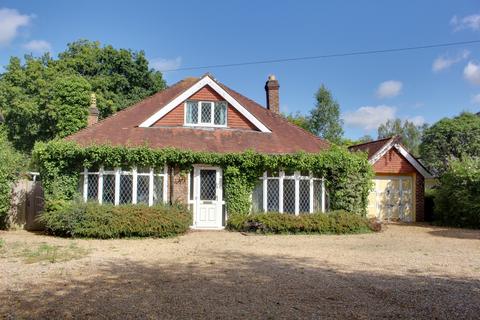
420 85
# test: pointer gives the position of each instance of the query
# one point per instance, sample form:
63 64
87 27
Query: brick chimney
92 111
271 88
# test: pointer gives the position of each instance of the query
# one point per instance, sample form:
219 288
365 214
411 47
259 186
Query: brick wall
235 119
419 198
393 162
178 186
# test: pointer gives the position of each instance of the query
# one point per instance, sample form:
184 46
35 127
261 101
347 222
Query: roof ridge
373 141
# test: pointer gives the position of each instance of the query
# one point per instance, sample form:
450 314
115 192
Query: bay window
118 186
206 113
291 192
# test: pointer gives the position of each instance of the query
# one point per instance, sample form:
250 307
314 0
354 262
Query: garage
399 183
392 198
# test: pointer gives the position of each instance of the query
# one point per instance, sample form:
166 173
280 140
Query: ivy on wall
347 175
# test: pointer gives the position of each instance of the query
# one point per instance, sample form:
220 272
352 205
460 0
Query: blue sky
421 85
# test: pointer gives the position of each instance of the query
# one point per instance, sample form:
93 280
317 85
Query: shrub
336 222
457 199
11 165
93 220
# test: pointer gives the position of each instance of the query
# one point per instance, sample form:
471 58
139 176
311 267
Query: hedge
457 199
11 165
336 222
92 220
347 175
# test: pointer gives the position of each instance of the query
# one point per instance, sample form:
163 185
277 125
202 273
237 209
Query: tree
325 117
44 98
299 120
410 133
450 139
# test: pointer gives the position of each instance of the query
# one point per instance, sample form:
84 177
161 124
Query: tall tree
43 98
450 139
325 117
411 133
299 120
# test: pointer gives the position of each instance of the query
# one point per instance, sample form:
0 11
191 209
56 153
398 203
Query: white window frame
117 172
199 117
297 177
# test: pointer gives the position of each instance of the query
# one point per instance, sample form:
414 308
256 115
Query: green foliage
411 133
337 222
457 199
44 98
300 121
92 220
11 165
324 120
450 139
348 175
325 117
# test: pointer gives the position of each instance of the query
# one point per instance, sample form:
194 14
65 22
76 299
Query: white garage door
392 198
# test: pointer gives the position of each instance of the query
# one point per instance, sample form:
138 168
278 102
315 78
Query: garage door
392 198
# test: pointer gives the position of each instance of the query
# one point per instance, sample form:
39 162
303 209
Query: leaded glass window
220 113
192 112
206 115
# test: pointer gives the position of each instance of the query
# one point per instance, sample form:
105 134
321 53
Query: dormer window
206 113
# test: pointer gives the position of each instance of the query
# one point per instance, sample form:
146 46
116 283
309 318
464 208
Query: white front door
208 197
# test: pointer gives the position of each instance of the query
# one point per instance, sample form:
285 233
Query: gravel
403 272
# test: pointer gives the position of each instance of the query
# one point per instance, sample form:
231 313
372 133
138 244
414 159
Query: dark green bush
92 220
336 222
457 199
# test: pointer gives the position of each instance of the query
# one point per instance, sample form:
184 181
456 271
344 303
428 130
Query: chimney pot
271 89
93 111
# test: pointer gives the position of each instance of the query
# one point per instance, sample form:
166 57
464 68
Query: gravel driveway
402 272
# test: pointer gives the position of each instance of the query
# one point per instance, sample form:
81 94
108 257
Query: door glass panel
208 184
206 116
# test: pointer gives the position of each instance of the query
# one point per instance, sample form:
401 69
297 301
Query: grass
43 252
52 253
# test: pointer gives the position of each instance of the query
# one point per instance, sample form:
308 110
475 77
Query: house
202 114
399 183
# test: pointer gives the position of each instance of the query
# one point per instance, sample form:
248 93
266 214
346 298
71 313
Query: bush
457 199
92 220
11 165
336 222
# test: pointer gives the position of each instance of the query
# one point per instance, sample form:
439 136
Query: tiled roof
122 129
372 147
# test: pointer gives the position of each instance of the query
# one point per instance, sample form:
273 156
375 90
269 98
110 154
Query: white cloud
417 120
471 22
445 61
38 46
476 99
369 117
10 21
389 89
162 64
472 72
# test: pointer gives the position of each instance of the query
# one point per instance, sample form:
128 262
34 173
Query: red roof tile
122 129
372 147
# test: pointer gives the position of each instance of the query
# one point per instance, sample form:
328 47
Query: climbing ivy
347 175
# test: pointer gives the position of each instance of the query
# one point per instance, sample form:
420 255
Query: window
289 192
117 186
206 113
